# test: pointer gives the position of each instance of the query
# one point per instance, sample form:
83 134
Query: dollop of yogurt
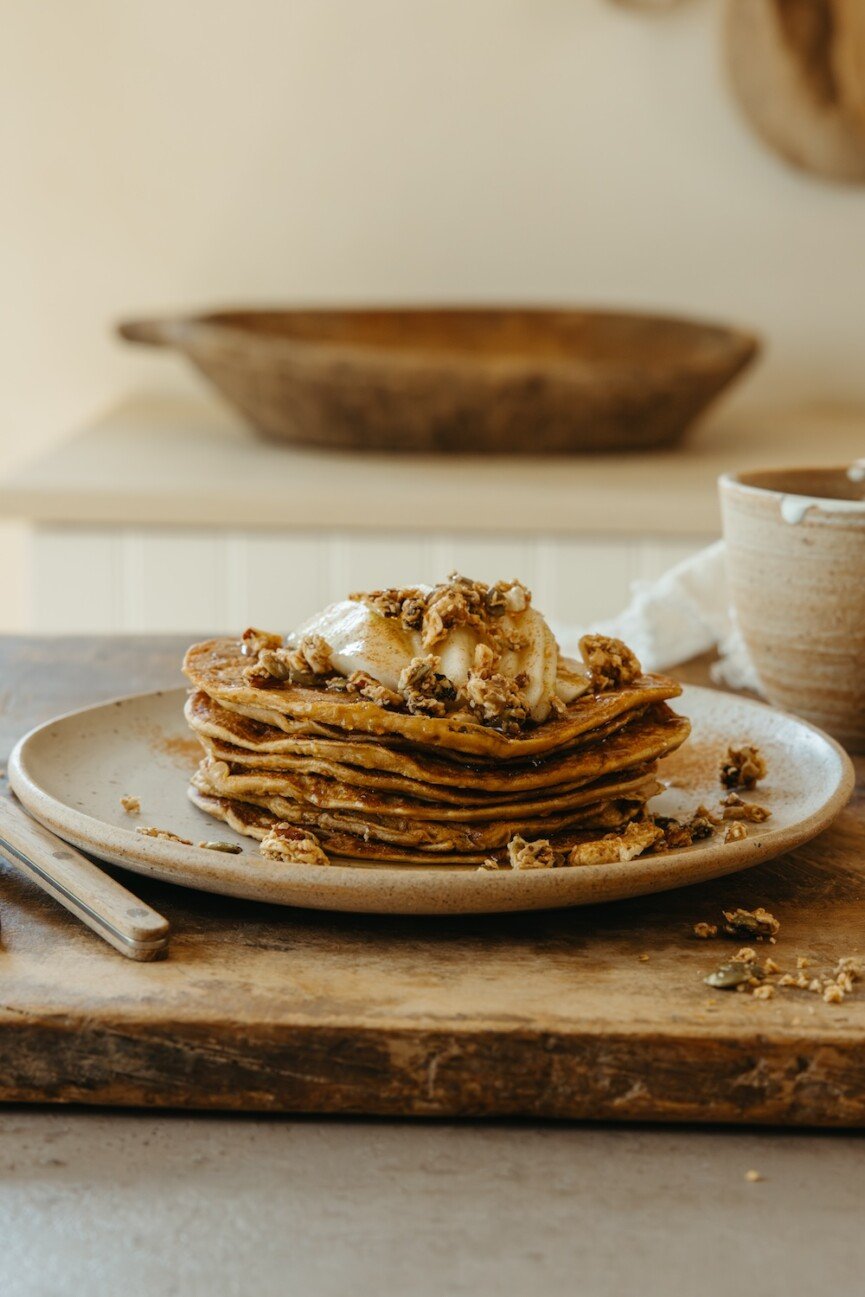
361 639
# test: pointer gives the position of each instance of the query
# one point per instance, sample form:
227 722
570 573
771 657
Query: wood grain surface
547 1015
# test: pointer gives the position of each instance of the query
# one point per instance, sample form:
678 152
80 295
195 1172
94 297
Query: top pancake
216 667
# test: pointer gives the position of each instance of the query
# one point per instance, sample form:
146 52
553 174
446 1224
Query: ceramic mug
795 549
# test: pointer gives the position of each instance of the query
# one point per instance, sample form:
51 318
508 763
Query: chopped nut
735 832
611 662
852 966
833 994
164 834
815 985
230 848
757 923
742 767
769 966
705 930
131 805
765 992
736 809
531 855
293 846
788 980
617 848
803 962
747 955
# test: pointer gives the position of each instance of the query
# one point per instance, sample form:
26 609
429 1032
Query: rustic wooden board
551 1015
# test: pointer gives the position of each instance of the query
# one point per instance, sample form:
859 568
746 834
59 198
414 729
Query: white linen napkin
684 613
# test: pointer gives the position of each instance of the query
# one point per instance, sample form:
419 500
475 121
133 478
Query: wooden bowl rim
735 347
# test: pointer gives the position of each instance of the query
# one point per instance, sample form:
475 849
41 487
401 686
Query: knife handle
95 898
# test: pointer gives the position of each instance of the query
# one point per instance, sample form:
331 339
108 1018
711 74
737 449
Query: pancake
256 822
429 835
231 736
311 791
216 667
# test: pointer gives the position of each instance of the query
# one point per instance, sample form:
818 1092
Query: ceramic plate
72 772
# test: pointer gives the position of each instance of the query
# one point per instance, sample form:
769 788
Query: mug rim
732 482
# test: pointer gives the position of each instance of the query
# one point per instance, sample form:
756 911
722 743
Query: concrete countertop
180 463
139 1204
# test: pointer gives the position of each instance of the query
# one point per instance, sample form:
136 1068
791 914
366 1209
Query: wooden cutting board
552 1015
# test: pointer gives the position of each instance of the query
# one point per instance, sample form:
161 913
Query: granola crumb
610 661
747 955
742 767
833 994
617 848
769 966
803 962
164 834
488 864
734 808
130 804
757 923
735 832
764 992
705 930
531 855
293 846
754 1177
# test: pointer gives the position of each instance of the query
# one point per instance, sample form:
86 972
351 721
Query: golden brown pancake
430 835
256 822
312 792
217 667
228 736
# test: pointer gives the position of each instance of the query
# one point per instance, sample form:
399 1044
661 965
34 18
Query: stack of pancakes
378 784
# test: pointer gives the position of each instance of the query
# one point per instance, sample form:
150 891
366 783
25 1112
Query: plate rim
346 886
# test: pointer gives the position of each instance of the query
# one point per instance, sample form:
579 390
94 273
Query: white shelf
181 464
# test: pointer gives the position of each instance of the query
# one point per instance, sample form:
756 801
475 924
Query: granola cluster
459 601
531 855
423 687
617 848
300 664
494 699
293 846
742 767
611 662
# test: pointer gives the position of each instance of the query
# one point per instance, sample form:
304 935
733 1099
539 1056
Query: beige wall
158 153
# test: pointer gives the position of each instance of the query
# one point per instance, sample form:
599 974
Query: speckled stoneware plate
72 772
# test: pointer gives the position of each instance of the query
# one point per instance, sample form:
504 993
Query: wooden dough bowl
519 380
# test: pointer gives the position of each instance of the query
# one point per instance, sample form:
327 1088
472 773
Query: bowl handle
153 333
